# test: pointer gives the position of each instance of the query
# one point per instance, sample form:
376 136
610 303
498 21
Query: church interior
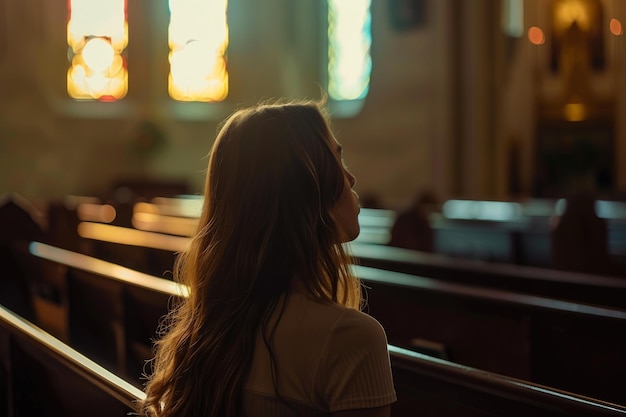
488 143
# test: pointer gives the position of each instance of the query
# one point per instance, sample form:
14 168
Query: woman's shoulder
345 322
359 326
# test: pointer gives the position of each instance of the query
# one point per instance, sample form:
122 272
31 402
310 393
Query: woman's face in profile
346 209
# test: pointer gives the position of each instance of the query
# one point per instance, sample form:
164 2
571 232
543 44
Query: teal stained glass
349 45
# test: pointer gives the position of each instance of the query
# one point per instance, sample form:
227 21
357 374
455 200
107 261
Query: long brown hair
272 179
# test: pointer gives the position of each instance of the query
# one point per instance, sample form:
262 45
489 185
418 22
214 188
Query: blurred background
481 99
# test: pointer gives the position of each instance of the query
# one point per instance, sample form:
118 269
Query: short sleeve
354 371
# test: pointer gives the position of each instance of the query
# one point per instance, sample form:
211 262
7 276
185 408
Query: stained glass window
198 40
97 36
349 44
513 18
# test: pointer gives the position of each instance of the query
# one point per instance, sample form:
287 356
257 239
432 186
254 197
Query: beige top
329 358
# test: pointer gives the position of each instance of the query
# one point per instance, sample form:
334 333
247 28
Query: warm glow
98 54
97 36
180 226
108 269
198 40
181 206
349 43
128 236
616 27
102 213
570 11
536 36
575 112
175 216
142 207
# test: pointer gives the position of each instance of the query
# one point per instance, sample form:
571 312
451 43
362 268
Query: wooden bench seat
154 253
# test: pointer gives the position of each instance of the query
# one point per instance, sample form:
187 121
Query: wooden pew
602 291
589 289
571 346
496 231
132 245
179 216
77 218
151 252
112 312
519 233
501 231
528 337
434 387
42 376
586 288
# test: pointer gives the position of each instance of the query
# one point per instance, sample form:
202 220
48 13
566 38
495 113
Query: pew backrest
579 287
430 386
112 312
572 346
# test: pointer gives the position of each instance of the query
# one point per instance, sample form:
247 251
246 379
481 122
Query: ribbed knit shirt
329 358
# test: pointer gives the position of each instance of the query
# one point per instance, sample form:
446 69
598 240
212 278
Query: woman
272 325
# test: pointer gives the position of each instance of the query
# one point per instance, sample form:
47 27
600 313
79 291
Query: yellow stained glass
97 36
198 41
